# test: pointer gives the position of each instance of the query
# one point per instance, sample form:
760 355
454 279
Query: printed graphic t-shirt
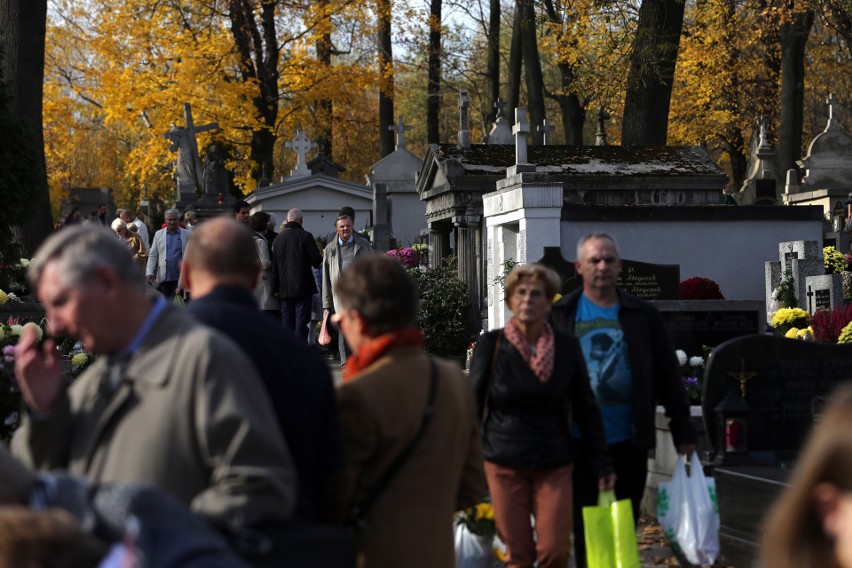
605 351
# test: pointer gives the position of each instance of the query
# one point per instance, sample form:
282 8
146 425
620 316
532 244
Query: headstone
642 279
692 324
783 381
545 130
400 128
301 144
520 130
600 135
803 259
824 292
216 180
464 128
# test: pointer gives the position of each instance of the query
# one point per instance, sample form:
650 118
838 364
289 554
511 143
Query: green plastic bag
610 533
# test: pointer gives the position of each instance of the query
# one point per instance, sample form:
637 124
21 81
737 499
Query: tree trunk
258 51
513 73
386 87
532 68
433 89
493 63
324 115
572 110
23 23
652 65
794 36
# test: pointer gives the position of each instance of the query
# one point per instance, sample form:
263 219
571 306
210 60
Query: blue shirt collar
351 240
136 342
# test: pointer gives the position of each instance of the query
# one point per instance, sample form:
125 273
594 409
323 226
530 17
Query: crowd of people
226 421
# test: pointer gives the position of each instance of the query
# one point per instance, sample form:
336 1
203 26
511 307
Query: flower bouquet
474 537
407 256
691 372
698 288
785 320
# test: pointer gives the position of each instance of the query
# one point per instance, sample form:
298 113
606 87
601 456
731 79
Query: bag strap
359 511
491 375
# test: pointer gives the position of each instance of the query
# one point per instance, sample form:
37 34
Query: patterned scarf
368 353
539 359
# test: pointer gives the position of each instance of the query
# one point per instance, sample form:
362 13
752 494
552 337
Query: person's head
598 262
130 215
101 209
172 220
242 211
119 227
295 216
529 291
348 211
343 227
83 276
46 538
273 220
220 252
16 481
376 297
259 222
190 218
811 523
120 213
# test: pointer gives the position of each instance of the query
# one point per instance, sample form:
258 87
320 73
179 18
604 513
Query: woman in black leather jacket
531 385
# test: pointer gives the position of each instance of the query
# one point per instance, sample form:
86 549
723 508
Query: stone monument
188 168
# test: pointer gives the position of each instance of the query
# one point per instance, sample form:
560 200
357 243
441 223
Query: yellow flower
806 334
79 359
556 298
3 297
788 315
792 333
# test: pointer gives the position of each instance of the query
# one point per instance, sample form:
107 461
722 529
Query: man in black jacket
294 252
632 367
220 268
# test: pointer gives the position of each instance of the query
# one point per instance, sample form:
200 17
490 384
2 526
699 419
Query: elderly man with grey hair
168 402
166 254
294 252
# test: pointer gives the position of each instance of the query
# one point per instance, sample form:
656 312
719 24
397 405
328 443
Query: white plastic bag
473 551
688 512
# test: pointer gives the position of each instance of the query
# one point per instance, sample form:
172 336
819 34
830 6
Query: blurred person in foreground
632 368
810 526
221 274
531 384
169 402
382 402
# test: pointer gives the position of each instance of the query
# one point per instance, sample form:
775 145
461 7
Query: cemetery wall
728 244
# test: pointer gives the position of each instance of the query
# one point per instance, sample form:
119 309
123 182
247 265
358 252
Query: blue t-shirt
605 351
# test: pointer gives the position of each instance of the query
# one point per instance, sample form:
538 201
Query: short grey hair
273 220
172 210
79 251
295 215
596 235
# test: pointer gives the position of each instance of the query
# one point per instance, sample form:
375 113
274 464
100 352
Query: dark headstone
822 299
642 279
786 384
693 324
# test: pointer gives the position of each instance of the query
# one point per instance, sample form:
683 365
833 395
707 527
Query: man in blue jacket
632 368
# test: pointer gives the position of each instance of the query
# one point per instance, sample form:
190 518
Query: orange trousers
547 496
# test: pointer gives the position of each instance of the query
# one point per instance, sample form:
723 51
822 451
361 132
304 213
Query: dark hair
259 221
794 536
378 288
239 205
222 247
348 211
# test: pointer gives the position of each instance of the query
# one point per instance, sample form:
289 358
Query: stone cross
545 130
520 130
188 161
400 129
300 144
500 105
600 135
832 123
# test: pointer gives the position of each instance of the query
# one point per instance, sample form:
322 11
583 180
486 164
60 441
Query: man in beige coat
382 403
168 402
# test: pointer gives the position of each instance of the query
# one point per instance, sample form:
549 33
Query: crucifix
545 129
810 295
400 129
742 377
520 130
188 161
301 144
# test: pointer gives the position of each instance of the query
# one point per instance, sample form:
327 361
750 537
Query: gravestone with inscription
824 292
783 381
798 259
692 324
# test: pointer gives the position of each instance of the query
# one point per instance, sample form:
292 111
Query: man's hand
39 372
686 449
607 482
149 278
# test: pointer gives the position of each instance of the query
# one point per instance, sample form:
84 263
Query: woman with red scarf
400 411
532 386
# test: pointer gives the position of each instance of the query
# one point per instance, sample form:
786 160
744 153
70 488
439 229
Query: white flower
16 330
12 297
38 331
681 357
696 361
